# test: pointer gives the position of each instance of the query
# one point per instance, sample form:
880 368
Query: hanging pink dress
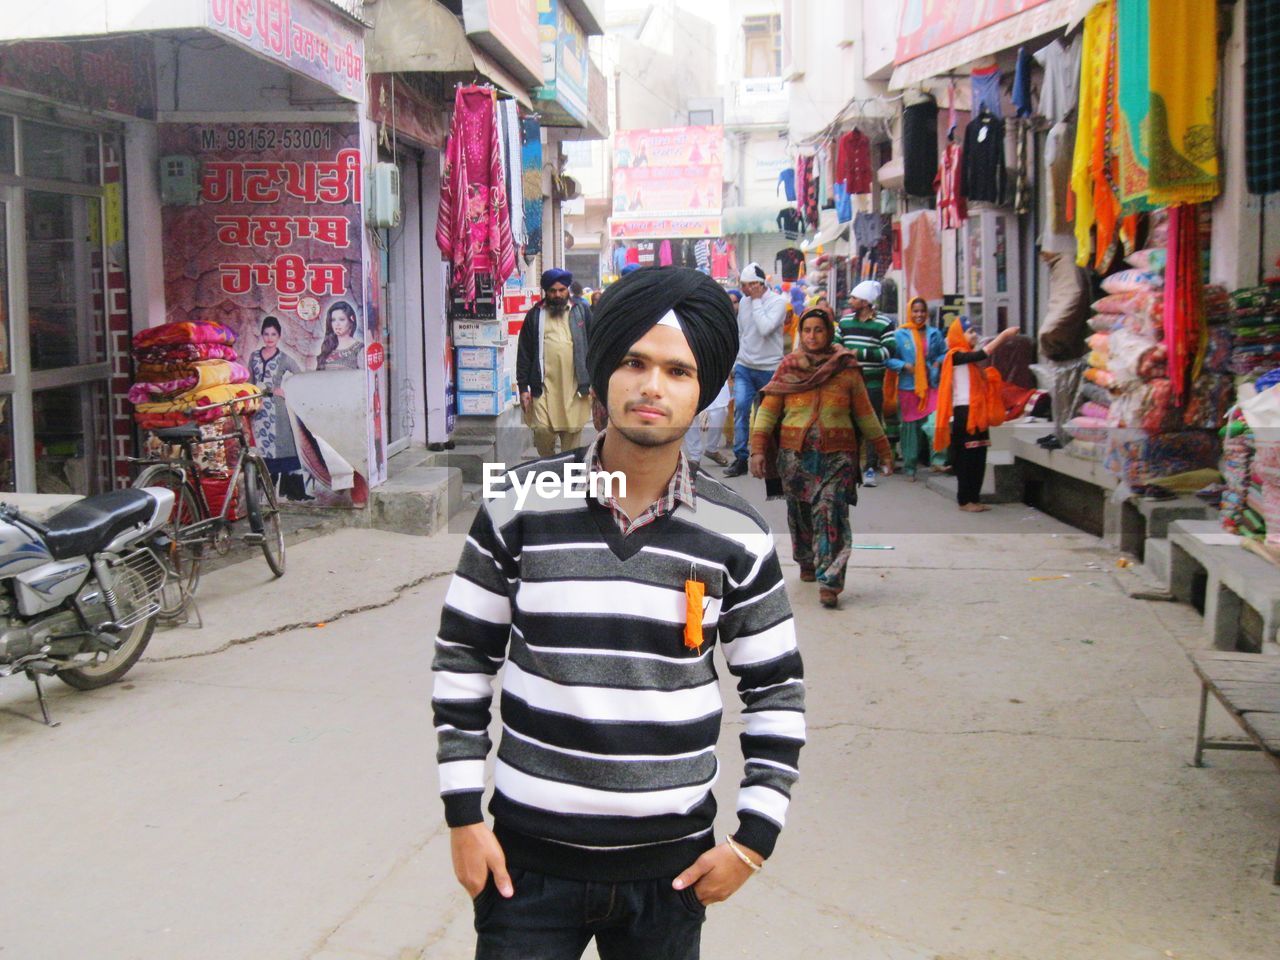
474 227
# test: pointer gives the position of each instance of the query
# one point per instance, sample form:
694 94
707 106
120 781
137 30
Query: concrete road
997 768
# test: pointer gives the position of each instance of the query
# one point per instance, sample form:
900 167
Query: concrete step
1157 559
417 500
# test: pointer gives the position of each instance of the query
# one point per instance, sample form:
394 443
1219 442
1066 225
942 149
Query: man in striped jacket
603 608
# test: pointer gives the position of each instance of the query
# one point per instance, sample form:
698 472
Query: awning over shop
827 235
750 219
423 36
1019 28
416 36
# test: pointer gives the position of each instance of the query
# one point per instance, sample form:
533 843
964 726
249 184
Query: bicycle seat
188 431
90 524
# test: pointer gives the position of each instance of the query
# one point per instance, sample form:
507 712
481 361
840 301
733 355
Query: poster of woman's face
342 346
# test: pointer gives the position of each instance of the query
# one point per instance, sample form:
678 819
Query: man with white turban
869 335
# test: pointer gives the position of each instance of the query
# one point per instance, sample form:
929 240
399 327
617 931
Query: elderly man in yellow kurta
551 366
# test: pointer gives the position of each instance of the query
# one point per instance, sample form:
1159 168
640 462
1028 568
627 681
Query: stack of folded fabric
184 365
1255 329
1237 471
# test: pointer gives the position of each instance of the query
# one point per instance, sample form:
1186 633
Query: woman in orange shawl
969 402
912 380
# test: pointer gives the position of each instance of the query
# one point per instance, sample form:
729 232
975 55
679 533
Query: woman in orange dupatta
969 403
911 381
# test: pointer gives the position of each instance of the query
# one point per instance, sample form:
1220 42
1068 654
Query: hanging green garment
1134 104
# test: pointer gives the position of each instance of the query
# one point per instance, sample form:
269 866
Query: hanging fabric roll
531 165
920 146
1093 64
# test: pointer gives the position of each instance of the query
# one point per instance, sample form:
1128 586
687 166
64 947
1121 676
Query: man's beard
650 436
557 308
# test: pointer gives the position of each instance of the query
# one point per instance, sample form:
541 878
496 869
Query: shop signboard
508 31
117 74
394 103
563 94
666 178
928 25
278 233
313 39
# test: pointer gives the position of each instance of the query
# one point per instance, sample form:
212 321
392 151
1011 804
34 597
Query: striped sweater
607 757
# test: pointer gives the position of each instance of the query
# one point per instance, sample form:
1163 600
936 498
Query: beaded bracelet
738 852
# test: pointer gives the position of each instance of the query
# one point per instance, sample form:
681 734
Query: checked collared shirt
679 490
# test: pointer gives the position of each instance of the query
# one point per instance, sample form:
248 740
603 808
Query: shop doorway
401 250
55 354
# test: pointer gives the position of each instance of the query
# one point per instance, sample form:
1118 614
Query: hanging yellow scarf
1183 67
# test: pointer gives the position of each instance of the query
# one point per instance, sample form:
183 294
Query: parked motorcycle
79 593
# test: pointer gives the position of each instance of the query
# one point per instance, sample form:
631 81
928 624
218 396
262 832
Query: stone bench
1237 591
1248 687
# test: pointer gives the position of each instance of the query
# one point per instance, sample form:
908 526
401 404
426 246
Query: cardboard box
479 333
487 380
488 403
480 358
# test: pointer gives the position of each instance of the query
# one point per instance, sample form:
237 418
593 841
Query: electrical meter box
384 196
179 181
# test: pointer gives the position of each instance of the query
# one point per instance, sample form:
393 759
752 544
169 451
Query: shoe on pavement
807 574
738 469
718 457
829 598
869 478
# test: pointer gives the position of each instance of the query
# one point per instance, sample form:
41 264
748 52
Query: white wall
145 228
879 37
831 65
21 20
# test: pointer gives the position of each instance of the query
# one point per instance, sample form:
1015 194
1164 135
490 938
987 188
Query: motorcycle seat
88 525
174 434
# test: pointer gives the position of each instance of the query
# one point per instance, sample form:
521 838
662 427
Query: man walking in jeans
607 611
760 318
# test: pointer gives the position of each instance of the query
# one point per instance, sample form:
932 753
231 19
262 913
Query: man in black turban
551 366
621 592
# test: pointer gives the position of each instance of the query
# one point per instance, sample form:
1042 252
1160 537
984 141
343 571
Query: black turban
553 276
631 307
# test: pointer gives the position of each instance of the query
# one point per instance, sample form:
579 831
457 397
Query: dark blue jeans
747 382
550 918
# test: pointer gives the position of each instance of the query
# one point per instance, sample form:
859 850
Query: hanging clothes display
1093 63
790 264
982 162
1058 91
1262 96
1133 103
853 162
702 255
789 223
807 190
474 226
1022 83
1184 92
1104 166
724 259
920 146
1183 317
787 183
952 211
515 171
665 258
531 167
985 83
647 253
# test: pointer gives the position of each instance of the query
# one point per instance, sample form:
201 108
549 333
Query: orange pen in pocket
694 591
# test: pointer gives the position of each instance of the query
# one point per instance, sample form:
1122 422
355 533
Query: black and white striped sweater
609 723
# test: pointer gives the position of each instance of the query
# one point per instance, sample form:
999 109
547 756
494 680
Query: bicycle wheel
264 513
185 554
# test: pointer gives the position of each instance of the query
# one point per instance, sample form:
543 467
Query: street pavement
997 768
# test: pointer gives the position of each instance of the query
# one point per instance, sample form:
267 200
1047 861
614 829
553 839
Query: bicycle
194 525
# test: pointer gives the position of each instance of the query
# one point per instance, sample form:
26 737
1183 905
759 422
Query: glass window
64 276
7 479
6 144
60 153
72 441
